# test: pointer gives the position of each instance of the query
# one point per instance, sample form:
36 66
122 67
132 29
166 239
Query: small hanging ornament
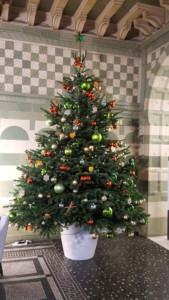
46 177
107 212
40 196
49 122
61 204
74 182
53 179
114 158
86 149
91 148
30 180
115 126
133 223
93 235
48 197
68 151
43 223
142 221
62 136
97 137
75 127
84 200
82 161
90 222
63 119
110 235
104 198
47 214
54 146
108 183
24 203
93 123
59 188
72 135
91 169
93 206
125 217
38 163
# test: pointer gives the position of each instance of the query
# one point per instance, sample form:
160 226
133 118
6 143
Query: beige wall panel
157 209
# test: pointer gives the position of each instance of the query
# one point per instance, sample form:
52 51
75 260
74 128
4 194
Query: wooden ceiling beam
5 9
164 3
157 15
81 13
103 20
57 12
31 7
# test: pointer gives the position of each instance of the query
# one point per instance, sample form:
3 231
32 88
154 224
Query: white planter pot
77 243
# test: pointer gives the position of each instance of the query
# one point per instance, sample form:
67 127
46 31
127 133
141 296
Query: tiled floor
161 240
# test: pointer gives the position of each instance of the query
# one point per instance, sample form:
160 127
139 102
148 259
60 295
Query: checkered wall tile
153 58
27 68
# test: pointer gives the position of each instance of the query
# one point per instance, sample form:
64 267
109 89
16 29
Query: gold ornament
96 84
91 169
133 223
113 149
104 198
91 148
72 135
63 119
86 149
93 235
38 163
55 101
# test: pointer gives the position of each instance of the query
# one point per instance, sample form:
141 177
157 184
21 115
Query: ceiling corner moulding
103 20
151 15
5 10
81 13
56 12
31 7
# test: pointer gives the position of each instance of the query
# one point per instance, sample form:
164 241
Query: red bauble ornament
75 63
108 183
45 153
93 123
30 180
132 172
49 153
47 214
115 126
48 196
83 178
90 222
88 178
114 158
114 144
31 160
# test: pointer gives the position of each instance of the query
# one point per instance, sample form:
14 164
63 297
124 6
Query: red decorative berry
114 158
90 222
108 183
115 126
48 196
31 160
30 180
49 153
93 123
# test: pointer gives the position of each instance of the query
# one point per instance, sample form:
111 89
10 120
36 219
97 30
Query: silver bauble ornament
54 146
93 206
53 179
84 200
61 204
104 198
74 182
125 217
40 195
43 223
75 191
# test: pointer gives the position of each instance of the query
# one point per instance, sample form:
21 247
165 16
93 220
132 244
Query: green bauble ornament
110 235
107 212
83 85
97 137
107 116
67 104
54 146
49 122
44 171
68 151
59 188
87 86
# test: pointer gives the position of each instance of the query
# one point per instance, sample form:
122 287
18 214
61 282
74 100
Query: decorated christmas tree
78 175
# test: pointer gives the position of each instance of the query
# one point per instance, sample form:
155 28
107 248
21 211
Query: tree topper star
79 37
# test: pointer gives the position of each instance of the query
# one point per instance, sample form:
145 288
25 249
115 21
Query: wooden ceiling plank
103 20
5 10
56 12
135 12
31 7
80 15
